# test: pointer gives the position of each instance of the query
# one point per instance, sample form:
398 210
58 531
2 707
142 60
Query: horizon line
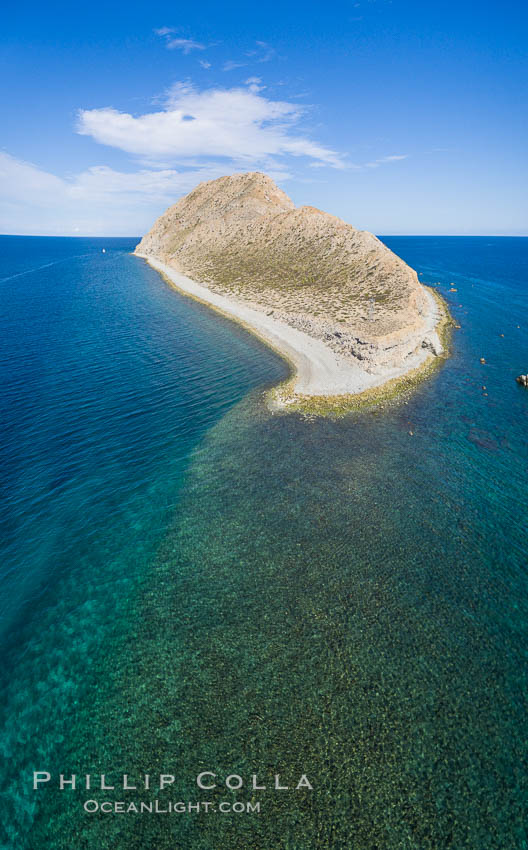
379 235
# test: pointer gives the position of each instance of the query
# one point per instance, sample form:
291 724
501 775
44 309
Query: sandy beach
318 370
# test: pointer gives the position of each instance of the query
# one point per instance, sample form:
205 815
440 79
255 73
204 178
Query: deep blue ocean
189 583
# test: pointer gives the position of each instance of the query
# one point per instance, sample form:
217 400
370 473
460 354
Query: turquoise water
190 583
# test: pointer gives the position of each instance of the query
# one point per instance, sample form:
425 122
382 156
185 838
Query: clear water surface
191 583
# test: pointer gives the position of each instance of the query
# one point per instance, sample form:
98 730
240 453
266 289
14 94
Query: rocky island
350 316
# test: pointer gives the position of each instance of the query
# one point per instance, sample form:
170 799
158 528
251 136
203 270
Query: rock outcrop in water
243 237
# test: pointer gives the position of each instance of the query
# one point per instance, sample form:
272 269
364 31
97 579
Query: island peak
243 240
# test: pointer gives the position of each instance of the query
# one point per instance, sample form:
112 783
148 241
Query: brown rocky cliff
243 237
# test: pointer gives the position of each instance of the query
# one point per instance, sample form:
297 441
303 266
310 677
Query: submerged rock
483 439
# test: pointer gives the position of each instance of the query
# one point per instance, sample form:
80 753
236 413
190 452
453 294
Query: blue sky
400 117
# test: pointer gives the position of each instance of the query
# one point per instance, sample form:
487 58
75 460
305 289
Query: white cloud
232 66
204 63
185 44
97 201
21 181
238 125
382 160
172 43
254 84
100 200
263 52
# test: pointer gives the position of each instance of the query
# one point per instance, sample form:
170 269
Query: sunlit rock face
243 237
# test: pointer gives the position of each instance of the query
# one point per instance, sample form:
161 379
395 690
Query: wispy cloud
185 44
262 52
255 84
383 159
232 66
172 42
204 63
102 201
98 200
236 125
358 166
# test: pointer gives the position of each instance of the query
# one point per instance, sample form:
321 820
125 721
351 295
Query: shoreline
322 380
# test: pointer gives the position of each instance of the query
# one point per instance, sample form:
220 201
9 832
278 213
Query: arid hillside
243 237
